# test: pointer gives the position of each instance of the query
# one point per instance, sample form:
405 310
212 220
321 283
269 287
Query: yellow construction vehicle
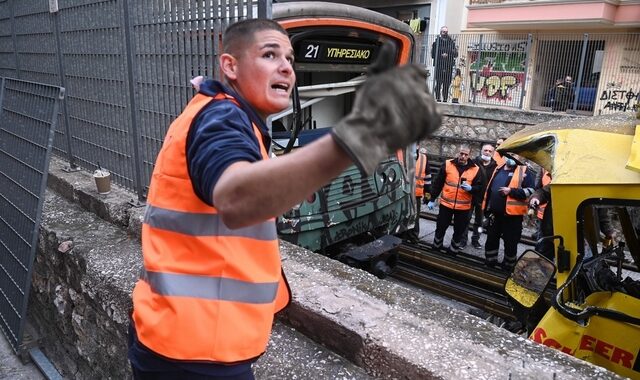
594 313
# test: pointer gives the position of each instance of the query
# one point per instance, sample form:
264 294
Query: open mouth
284 87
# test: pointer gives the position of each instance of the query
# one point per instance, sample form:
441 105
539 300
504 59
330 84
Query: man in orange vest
540 201
423 184
505 204
212 280
458 180
487 165
497 156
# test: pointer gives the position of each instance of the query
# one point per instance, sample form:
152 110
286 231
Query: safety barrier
28 118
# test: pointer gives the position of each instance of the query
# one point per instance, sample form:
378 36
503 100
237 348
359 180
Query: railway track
462 277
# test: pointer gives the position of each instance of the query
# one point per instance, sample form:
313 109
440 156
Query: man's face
463 156
498 142
444 32
487 150
568 79
263 74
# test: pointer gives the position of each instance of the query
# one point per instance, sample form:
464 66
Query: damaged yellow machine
594 313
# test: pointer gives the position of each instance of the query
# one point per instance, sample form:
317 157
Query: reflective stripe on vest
420 174
195 224
452 195
207 292
210 288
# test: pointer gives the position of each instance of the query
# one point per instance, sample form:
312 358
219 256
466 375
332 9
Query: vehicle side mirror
531 275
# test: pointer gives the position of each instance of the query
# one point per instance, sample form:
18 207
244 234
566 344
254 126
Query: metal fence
527 71
28 115
126 67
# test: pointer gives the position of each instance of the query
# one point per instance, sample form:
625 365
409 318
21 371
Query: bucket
103 181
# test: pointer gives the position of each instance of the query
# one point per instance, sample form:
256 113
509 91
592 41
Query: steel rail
463 277
481 298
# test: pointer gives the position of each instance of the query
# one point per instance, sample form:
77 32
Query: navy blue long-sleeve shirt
497 202
221 135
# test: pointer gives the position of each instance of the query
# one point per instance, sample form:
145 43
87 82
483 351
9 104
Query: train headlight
391 176
383 178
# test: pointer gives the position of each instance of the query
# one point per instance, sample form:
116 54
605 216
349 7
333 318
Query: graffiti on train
620 100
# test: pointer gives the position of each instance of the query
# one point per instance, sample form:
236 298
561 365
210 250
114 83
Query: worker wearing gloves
505 204
211 280
458 180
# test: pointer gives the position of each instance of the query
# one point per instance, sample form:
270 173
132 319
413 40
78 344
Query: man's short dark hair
241 34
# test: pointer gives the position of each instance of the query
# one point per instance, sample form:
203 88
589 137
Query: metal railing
126 67
28 117
528 71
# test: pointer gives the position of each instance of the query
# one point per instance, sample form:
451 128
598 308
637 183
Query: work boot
476 244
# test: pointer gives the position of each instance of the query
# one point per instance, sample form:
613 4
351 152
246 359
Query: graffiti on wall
497 71
620 100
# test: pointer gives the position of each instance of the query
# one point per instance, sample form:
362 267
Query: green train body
334 44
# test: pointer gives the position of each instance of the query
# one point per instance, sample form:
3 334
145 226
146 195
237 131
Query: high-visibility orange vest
421 174
546 179
498 158
207 292
452 195
514 206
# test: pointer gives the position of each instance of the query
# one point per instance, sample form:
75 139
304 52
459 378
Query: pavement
11 367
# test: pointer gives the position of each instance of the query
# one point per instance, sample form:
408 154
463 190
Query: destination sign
335 52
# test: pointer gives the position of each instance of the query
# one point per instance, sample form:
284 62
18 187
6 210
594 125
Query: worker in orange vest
505 204
457 182
211 279
422 186
497 156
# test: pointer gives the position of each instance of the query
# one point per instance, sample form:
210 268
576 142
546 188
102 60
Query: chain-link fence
126 67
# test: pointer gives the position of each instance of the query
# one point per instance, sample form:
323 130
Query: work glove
465 186
431 205
391 110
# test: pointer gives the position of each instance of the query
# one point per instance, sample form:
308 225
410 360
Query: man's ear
228 65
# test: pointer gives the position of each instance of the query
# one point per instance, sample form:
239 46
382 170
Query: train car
353 218
595 167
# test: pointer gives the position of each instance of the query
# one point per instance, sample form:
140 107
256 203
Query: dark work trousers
443 81
509 228
413 235
478 216
477 222
181 374
460 222
162 369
